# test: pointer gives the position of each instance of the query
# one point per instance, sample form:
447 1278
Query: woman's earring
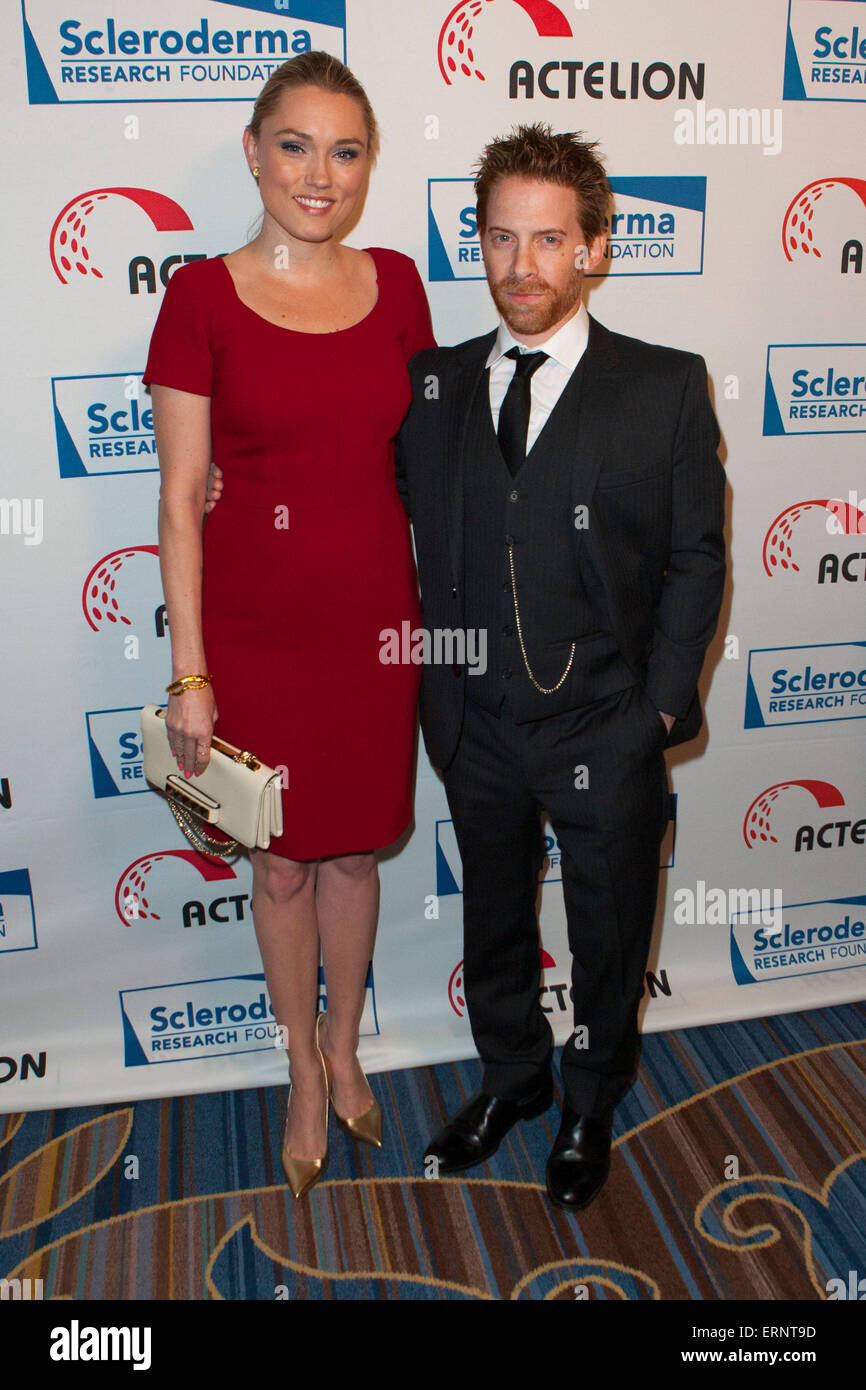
256 173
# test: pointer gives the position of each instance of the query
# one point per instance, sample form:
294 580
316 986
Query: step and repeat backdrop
734 141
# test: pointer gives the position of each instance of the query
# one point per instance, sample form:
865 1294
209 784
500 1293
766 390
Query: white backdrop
734 140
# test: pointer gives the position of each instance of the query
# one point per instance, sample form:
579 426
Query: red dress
307 557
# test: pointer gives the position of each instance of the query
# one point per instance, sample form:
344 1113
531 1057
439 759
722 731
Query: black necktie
514 412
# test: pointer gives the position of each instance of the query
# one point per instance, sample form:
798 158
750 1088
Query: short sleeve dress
307 565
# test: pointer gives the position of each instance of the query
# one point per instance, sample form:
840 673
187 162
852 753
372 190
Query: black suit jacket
644 446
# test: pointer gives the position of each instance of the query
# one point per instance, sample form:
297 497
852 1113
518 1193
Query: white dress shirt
564 350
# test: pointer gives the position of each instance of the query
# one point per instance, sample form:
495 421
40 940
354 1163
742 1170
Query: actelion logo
756 824
457 994
778 552
565 77
799 233
99 598
68 235
456 48
134 899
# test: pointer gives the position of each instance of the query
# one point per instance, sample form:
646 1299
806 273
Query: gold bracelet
188 683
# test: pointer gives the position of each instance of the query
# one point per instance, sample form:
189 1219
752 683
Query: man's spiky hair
534 152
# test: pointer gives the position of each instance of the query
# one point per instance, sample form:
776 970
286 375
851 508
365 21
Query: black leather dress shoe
580 1160
479 1128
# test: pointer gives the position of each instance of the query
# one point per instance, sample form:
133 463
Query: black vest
559 601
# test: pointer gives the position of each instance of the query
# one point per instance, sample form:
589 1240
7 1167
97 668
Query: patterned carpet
739 1172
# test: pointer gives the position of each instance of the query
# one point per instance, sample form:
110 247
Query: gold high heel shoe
304 1173
367 1127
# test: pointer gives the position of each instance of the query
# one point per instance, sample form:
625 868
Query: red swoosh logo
756 825
797 232
132 886
456 37
68 248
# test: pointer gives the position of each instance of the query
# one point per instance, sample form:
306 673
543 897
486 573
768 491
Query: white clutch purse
236 792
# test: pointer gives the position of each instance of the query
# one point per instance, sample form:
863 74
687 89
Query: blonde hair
315 69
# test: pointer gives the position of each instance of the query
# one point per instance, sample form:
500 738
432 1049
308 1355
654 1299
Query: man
566 497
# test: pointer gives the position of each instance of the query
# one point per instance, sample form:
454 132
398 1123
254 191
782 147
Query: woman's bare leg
347 907
284 915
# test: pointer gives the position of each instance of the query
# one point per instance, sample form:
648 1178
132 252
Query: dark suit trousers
609 833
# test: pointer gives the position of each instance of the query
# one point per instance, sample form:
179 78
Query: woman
285 361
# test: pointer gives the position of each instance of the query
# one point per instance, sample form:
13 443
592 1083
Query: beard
545 312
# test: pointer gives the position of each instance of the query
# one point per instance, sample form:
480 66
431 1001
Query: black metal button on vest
514 411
